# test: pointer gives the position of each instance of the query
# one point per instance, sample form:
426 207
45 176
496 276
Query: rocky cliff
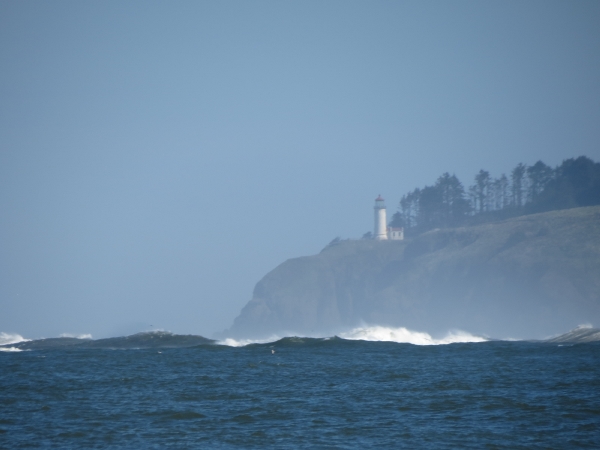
528 277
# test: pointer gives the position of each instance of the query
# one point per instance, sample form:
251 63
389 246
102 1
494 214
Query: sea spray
8 338
406 336
230 342
374 333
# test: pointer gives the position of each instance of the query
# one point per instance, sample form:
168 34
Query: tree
502 191
517 187
430 207
481 190
583 176
539 175
454 205
576 182
408 208
441 205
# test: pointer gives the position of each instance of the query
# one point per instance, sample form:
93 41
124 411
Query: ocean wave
76 336
230 342
10 349
280 341
375 333
8 338
403 335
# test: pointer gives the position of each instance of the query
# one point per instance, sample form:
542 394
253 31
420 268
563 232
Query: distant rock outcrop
527 277
148 339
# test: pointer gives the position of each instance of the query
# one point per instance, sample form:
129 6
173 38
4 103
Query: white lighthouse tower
380 220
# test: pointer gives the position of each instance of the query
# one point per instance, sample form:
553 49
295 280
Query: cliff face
527 277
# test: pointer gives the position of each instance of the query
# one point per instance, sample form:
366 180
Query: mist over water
9 338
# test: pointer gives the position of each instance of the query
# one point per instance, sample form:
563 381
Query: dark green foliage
539 176
481 191
441 205
537 188
576 182
518 181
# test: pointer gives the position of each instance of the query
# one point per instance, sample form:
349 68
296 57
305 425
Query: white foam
7 338
374 333
76 336
230 342
10 349
406 336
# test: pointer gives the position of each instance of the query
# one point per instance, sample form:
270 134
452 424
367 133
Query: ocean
325 393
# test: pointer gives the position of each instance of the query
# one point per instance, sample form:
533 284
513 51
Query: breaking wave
230 342
165 339
7 338
76 336
10 349
374 334
405 336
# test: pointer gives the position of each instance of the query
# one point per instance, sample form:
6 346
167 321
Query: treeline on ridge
528 190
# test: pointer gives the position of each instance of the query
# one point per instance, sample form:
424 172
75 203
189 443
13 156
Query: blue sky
158 158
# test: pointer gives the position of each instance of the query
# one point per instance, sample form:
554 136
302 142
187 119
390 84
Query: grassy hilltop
526 277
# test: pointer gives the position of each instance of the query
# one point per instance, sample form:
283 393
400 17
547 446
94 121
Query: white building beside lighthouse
382 231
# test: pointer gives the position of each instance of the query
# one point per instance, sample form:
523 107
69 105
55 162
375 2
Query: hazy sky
158 158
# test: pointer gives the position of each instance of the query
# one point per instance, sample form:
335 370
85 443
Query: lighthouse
380 220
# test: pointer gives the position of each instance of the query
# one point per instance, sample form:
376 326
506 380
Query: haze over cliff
526 277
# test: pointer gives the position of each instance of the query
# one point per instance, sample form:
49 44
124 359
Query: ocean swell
375 333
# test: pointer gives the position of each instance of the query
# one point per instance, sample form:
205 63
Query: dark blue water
309 394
